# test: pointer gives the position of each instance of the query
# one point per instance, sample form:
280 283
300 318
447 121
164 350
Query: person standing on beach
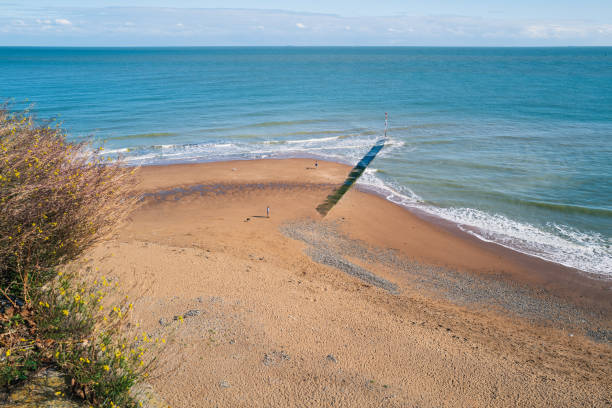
267 212
316 164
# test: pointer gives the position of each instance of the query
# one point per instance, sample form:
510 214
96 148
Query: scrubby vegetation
57 199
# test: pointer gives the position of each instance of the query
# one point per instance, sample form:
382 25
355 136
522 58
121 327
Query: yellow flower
65 312
8 353
106 368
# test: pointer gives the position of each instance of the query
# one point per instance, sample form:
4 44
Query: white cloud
557 31
62 21
605 29
207 26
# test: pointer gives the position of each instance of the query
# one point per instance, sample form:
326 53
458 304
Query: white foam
140 159
587 252
345 149
590 252
314 140
114 151
371 181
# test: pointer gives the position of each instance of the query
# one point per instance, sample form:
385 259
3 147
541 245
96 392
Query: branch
8 297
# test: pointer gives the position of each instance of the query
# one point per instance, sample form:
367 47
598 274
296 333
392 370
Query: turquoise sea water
512 144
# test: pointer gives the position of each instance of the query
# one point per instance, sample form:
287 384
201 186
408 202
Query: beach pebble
275 357
268 360
192 313
163 322
224 384
330 357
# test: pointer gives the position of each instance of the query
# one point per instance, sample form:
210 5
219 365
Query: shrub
56 200
79 326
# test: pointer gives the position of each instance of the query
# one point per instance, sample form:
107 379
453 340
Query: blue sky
316 22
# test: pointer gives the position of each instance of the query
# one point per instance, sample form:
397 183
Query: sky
316 22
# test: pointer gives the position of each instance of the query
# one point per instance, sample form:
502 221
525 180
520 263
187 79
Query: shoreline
450 226
453 228
582 288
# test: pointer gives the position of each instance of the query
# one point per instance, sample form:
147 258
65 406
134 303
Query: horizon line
306 46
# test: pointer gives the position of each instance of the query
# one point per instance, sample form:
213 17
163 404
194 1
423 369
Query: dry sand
397 311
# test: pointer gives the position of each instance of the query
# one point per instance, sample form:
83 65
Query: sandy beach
371 306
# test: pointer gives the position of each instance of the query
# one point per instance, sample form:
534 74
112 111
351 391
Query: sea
513 145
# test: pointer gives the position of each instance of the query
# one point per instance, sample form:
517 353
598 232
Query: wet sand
371 306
